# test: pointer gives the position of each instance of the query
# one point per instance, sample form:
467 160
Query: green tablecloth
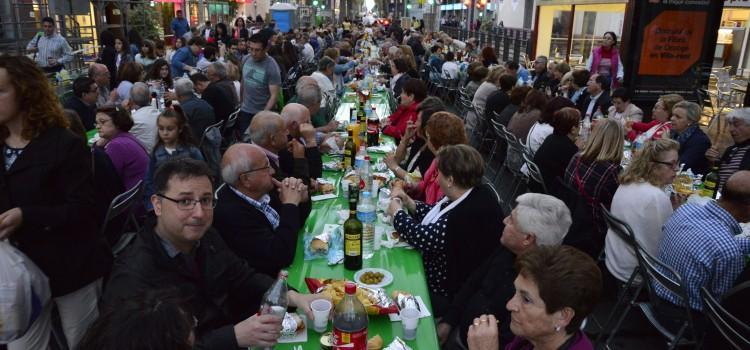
405 264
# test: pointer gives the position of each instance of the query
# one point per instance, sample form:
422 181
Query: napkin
323 197
423 312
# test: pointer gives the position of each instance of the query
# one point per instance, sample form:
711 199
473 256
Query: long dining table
404 263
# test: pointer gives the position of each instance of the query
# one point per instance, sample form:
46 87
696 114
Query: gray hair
325 63
544 216
230 172
742 114
308 92
259 133
219 69
139 94
693 110
183 87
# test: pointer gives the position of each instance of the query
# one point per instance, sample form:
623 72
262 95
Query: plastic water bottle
359 159
585 129
275 301
366 215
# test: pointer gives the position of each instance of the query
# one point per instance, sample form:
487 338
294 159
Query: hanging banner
669 47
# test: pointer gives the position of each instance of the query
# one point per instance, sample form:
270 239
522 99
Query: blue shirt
180 27
699 243
182 57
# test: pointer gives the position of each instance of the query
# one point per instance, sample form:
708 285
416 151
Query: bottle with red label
350 321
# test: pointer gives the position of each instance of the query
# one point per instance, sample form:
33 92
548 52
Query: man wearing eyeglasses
259 228
83 101
51 50
179 249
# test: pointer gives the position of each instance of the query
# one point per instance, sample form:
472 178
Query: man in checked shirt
50 49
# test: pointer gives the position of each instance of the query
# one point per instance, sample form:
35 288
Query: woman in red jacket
413 93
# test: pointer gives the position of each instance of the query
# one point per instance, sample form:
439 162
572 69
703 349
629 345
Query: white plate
299 337
387 277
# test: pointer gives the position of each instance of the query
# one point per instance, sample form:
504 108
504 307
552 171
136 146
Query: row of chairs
649 272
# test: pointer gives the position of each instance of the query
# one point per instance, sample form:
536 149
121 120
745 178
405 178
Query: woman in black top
554 154
221 34
412 153
47 194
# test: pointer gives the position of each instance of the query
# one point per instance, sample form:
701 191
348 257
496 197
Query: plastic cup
320 308
410 321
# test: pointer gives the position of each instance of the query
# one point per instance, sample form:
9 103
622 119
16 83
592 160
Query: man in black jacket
595 100
302 139
85 94
181 250
258 230
537 220
220 93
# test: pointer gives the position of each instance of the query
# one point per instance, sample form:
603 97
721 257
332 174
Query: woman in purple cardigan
127 154
556 288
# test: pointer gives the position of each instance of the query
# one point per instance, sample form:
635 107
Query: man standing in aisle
51 50
261 81
180 25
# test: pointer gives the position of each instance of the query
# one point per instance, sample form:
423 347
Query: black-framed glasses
207 203
256 169
674 166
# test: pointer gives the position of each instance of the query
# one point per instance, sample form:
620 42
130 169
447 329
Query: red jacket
399 119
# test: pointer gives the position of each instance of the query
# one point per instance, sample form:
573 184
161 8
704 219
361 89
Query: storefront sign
667 46
672 42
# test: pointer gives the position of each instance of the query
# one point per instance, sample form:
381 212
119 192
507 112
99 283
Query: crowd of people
215 232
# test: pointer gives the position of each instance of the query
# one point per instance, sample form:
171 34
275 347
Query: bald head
735 196
240 158
295 114
264 128
100 74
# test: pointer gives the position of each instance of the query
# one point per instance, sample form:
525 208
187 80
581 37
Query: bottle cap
350 288
366 194
367 157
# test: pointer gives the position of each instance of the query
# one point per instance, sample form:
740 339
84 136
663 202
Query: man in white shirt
324 75
51 50
144 118
450 67
308 53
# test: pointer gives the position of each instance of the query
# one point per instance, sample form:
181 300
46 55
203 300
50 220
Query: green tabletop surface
405 264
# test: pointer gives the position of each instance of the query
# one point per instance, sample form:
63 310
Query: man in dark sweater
85 94
179 249
260 231
537 220
220 93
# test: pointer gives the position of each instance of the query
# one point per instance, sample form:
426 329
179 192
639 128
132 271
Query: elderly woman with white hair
537 220
693 141
735 157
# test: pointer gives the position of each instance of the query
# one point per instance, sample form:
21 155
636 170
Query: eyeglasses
207 203
674 165
254 170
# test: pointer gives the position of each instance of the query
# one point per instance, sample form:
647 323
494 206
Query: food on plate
326 188
375 343
405 300
318 246
371 277
353 178
396 293
375 300
397 183
381 177
291 324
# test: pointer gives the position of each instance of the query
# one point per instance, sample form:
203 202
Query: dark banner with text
669 47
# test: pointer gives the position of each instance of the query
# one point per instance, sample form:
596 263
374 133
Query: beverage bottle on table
350 151
366 215
352 238
711 183
350 320
274 302
373 130
365 174
359 159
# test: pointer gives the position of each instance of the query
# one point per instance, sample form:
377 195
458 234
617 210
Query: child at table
175 140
